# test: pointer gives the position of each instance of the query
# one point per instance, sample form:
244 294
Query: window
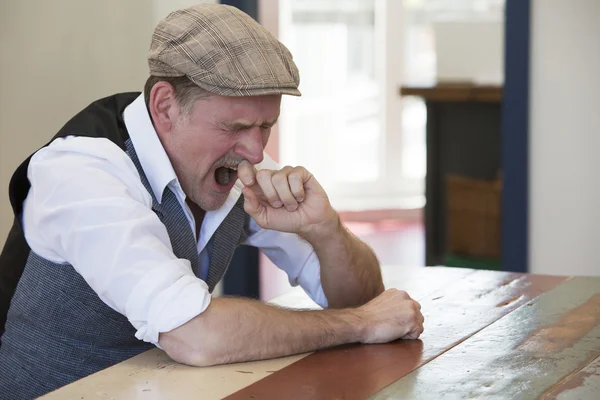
351 128
346 128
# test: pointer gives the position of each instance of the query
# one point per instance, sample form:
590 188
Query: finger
252 205
263 177
415 332
282 186
420 329
247 173
296 179
403 295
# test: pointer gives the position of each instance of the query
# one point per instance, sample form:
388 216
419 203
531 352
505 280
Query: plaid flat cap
224 51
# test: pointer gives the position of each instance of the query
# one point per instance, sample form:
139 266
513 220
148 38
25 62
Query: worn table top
487 335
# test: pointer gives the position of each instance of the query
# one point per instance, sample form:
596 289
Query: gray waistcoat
58 330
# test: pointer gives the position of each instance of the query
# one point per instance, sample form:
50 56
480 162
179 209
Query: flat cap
224 51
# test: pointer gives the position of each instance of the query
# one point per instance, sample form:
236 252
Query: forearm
350 271
236 330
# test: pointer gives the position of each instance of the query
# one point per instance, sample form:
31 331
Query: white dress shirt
88 207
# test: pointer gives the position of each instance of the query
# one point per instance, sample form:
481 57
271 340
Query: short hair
186 91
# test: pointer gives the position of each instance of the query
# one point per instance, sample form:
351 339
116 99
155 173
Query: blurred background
446 132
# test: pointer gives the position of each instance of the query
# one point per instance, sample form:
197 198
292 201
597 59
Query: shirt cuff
310 280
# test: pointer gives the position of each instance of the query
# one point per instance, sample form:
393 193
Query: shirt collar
149 149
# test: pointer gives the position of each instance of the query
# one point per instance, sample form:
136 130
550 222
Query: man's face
206 145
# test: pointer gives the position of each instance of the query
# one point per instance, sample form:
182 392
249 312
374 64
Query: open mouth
225 175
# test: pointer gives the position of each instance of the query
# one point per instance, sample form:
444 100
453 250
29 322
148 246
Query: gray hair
186 91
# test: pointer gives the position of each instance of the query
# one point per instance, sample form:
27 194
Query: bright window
351 128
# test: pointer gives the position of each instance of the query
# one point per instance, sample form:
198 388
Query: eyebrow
240 125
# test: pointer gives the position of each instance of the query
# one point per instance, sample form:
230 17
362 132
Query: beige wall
565 137
55 61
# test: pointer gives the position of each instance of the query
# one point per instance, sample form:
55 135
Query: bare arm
232 330
350 272
235 330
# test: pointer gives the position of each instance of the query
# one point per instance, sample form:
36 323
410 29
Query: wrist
321 232
352 318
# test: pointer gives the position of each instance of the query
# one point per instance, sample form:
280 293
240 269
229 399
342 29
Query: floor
394 241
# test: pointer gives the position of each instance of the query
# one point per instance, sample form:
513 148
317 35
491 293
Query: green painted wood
452 314
522 355
584 384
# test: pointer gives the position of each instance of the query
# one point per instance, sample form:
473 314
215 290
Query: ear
163 106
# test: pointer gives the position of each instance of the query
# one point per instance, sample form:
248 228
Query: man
128 218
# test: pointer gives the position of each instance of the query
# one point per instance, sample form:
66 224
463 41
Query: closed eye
239 127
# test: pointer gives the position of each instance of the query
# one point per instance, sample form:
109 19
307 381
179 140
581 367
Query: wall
470 50
57 60
565 137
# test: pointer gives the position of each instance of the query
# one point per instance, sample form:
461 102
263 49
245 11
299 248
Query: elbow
196 359
184 353
199 342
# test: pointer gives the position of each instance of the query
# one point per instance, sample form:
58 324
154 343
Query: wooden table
487 335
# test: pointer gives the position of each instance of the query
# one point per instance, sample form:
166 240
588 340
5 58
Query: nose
251 145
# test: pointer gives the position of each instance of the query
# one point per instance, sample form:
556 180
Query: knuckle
263 175
300 172
278 177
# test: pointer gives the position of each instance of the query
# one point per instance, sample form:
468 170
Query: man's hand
390 316
288 200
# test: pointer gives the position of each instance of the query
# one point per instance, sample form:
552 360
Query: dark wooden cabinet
464 139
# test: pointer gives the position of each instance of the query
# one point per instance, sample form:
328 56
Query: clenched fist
391 315
287 200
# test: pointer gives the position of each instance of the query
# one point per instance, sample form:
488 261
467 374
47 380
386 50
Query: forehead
252 108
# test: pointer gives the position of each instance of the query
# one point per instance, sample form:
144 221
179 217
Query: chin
212 203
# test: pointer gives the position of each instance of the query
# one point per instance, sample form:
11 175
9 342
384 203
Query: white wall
470 50
565 137
56 60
